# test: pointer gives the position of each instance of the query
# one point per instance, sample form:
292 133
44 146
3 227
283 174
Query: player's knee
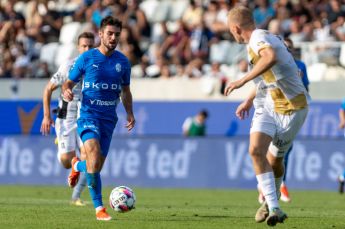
65 162
94 165
66 159
256 151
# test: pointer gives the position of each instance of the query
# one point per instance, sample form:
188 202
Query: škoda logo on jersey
102 86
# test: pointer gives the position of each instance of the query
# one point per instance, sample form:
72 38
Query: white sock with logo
268 187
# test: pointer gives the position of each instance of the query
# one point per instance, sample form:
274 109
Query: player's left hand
130 122
243 109
342 125
232 86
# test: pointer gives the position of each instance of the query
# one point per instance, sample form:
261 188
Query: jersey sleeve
305 78
259 41
343 104
126 78
77 70
61 75
186 124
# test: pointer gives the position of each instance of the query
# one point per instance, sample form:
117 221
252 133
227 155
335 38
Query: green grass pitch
48 207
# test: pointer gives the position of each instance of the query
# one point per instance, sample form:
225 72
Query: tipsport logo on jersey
103 102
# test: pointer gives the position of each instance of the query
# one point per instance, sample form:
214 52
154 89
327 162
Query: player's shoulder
120 56
259 33
85 57
88 54
259 39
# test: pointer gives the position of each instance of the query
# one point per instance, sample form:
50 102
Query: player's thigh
288 128
66 135
262 131
107 128
263 122
89 133
259 143
91 144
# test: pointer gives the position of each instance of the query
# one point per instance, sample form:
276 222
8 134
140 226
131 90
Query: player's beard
109 46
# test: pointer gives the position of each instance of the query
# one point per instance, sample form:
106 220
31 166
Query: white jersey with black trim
70 109
283 87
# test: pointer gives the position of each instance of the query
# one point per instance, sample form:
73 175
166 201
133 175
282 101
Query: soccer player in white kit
281 103
66 122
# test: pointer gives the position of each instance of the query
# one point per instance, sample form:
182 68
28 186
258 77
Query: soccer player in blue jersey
106 79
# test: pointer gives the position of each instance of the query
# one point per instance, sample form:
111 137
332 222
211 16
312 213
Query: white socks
75 166
98 208
268 184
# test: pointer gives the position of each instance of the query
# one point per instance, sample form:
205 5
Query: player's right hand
67 95
45 126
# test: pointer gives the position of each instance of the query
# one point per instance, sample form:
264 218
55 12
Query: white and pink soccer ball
122 199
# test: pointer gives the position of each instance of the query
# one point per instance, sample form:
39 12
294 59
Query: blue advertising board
166 118
173 162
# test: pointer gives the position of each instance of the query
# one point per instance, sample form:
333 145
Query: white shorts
68 138
282 128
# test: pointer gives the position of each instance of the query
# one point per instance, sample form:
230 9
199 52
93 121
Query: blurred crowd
171 38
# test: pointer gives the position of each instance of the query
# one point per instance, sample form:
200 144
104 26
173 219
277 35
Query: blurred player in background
195 126
300 64
67 112
106 73
285 197
284 109
341 178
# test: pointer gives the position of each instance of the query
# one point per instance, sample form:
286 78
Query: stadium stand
170 38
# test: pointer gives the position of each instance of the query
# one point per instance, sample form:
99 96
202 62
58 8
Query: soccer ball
122 199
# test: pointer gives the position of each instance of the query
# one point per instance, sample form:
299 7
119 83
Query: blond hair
242 16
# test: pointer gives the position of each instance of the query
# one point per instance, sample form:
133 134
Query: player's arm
66 88
126 97
341 118
74 76
266 61
243 109
47 120
186 126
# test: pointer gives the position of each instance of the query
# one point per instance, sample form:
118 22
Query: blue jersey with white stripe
103 78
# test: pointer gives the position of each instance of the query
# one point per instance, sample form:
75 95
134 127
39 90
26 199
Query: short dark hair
204 113
109 20
87 35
